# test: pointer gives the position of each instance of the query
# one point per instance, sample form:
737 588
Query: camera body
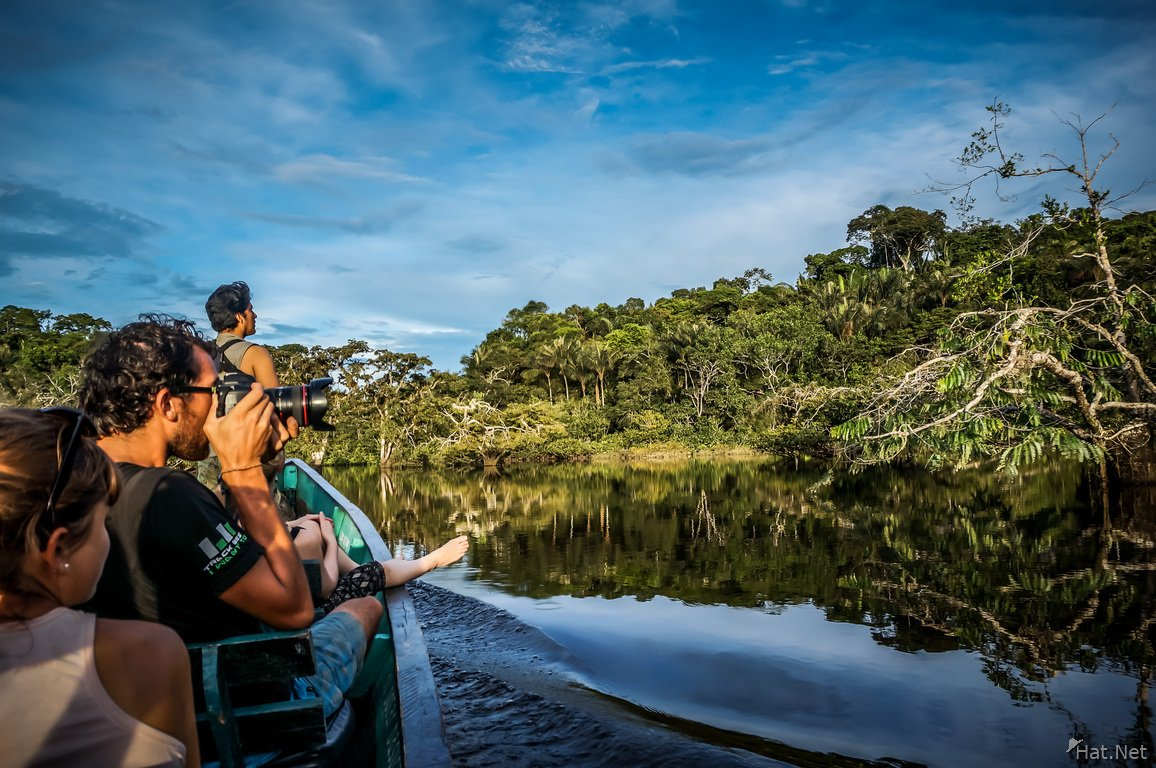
305 402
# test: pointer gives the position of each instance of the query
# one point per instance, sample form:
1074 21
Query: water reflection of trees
1026 573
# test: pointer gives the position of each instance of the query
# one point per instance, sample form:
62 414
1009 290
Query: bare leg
345 564
341 563
313 544
308 541
400 571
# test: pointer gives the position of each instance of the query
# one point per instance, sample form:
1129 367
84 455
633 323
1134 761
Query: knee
308 541
367 610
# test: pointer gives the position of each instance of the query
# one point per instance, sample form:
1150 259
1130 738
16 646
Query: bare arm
332 549
275 589
258 363
144 667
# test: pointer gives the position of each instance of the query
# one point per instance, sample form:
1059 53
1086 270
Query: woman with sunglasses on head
75 689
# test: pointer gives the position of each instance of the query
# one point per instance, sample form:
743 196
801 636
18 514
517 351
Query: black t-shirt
173 552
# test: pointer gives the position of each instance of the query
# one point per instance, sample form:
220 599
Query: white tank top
54 710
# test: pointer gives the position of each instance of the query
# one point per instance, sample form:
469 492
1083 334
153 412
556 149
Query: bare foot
450 552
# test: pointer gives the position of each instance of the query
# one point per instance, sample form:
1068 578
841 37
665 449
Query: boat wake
512 697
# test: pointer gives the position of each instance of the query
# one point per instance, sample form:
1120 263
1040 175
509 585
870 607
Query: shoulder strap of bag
228 363
134 498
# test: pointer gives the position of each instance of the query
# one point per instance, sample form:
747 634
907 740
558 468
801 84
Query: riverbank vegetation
916 341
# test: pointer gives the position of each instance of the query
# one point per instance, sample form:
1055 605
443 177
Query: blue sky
408 172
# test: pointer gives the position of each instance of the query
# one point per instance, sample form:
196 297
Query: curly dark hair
120 378
226 303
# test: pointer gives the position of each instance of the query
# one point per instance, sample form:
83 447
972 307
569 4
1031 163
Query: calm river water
746 613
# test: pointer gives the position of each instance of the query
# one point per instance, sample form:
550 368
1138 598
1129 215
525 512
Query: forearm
331 549
329 572
258 515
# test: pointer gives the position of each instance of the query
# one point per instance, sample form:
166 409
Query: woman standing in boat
75 689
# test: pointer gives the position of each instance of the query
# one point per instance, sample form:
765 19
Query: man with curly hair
178 557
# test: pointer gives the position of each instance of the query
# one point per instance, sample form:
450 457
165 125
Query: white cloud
327 167
627 66
784 65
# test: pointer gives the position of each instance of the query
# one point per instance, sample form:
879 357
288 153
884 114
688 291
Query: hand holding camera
283 411
243 435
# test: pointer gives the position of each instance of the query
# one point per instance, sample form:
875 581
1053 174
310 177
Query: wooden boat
391 719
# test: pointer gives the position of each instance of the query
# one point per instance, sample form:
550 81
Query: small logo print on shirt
222 549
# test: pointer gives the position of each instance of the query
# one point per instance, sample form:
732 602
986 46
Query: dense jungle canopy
918 341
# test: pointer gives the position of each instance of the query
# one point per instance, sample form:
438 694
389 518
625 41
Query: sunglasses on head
77 425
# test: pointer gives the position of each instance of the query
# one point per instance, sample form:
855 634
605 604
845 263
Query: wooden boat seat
242 690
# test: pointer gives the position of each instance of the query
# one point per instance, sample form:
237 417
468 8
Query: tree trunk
319 454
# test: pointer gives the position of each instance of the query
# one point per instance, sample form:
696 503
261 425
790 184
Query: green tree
905 238
775 346
703 358
40 354
1019 379
388 391
600 358
561 354
481 433
853 305
823 267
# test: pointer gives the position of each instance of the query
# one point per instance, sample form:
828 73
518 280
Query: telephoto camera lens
307 403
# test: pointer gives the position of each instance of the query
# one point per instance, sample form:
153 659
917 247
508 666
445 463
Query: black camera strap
227 362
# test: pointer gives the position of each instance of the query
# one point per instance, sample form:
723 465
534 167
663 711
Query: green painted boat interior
375 692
